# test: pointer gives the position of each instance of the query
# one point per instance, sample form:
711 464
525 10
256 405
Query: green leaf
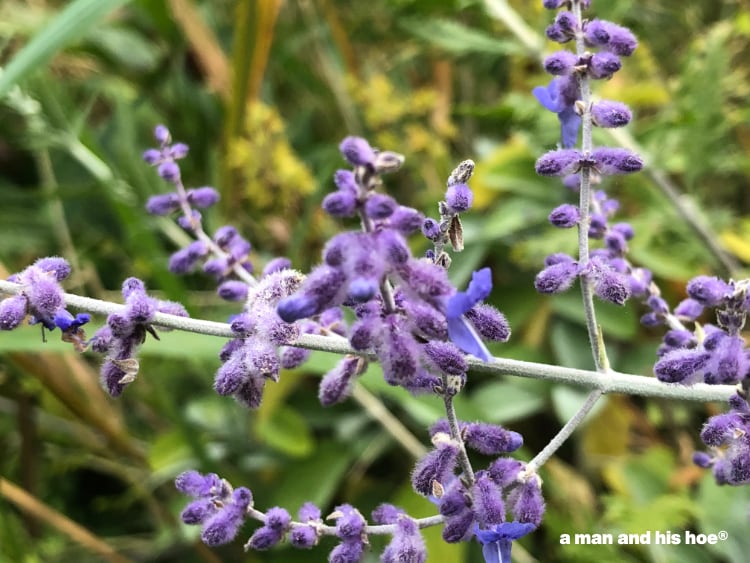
617 322
505 401
725 509
286 431
457 38
71 24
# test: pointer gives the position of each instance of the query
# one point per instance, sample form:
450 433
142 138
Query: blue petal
480 285
462 334
570 121
491 552
549 96
64 319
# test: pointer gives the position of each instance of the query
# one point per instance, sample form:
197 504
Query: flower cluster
728 436
407 312
610 275
481 508
124 333
714 354
41 300
225 255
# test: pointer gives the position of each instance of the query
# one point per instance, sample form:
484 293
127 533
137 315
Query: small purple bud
610 161
457 527
340 204
380 206
490 323
490 439
604 64
151 156
12 312
447 357
610 114
336 385
387 161
303 537
621 40
163 204
347 552
431 229
561 63
530 505
702 459
225 235
459 197
233 290
489 507
565 216
386 514
198 511
596 33
566 21
362 289
558 163
708 291
276 265
556 278
679 365
203 197
611 286
437 465
178 150
169 171
161 134
357 151
345 181
406 220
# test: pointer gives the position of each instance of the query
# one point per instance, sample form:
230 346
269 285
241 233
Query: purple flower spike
459 197
611 161
610 114
558 163
565 216
357 151
497 540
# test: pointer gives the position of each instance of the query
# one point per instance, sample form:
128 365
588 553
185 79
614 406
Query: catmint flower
12 311
611 161
565 216
610 114
357 151
558 163
459 197
497 540
561 63
560 97
437 465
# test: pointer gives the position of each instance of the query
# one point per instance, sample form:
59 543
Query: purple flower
380 206
12 312
203 197
680 365
460 331
559 97
459 197
707 291
340 204
446 357
491 439
497 540
336 385
612 161
604 64
558 163
490 323
437 465
557 277
561 63
610 114
488 506
407 545
357 151
565 216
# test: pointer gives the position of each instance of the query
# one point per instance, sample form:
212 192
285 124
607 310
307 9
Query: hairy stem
450 414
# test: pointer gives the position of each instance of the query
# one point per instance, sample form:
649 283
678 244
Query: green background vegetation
263 92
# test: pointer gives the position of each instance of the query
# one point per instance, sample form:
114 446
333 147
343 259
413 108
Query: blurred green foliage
263 91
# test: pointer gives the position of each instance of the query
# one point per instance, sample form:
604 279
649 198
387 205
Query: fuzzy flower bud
610 114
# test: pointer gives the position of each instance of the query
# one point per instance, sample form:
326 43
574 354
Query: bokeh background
263 91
